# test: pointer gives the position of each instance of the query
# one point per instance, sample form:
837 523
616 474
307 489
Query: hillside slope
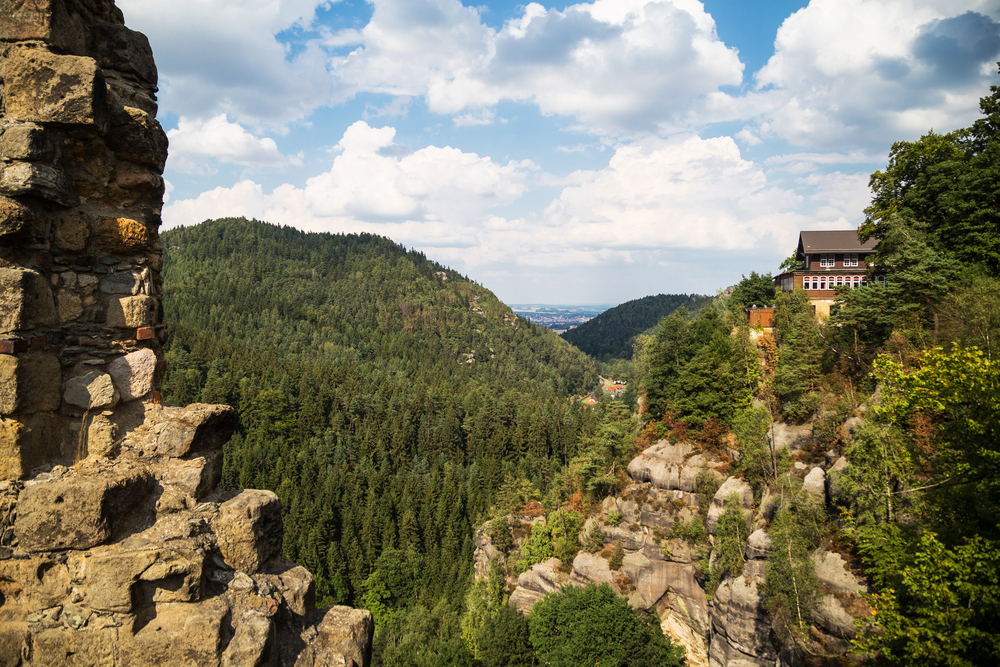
611 334
384 397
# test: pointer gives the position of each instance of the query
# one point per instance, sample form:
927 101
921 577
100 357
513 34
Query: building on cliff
117 546
829 260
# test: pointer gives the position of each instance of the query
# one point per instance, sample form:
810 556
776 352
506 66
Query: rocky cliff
116 545
665 572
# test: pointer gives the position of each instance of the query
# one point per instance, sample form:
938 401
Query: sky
561 153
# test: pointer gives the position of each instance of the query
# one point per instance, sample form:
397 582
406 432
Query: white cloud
222 56
863 73
616 65
195 144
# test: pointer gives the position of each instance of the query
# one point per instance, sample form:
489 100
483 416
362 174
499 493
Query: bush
596 626
614 517
537 548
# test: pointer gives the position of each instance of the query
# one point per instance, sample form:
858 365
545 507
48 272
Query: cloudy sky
558 153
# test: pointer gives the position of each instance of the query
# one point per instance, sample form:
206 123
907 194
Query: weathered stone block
137 137
172 575
16 219
28 442
119 48
50 21
71 234
26 142
197 428
29 383
121 283
90 391
20 179
25 300
730 486
80 512
122 235
249 529
45 88
132 312
344 639
133 374
69 305
102 434
251 642
196 477
39 583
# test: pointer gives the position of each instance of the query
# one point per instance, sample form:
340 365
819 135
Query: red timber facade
831 259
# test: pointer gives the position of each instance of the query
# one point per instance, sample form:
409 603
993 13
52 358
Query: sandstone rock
532 585
834 484
832 572
70 233
249 528
80 512
37 582
64 647
28 442
90 391
69 306
251 642
49 21
121 283
815 483
343 637
46 88
831 616
132 312
35 180
731 485
695 646
25 300
668 466
197 428
196 477
26 142
29 383
138 138
758 545
118 48
791 437
746 623
102 435
122 235
292 582
16 219
176 633
117 580
591 568
133 373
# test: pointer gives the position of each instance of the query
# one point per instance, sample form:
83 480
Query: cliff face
116 545
661 572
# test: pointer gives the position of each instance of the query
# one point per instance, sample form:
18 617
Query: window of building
822 282
851 259
826 261
840 280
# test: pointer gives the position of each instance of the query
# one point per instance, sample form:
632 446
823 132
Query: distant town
559 318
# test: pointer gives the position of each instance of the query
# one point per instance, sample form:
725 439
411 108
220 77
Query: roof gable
834 241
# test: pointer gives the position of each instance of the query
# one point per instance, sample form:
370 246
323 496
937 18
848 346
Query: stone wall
117 546
81 155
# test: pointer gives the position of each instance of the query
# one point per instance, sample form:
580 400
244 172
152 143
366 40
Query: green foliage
422 637
537 548
484 600
593 539
499 531
791 263
970 314
946 613
799 355
617 557
390 588
505 640
757 290
564 527
791 587
731 533
593 626
750 425
614 517
705 485
612 334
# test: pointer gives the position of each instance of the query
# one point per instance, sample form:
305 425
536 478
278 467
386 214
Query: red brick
40 342
156 397
13 346
45 258
145 333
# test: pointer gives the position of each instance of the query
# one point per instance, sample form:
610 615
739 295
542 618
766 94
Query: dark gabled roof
834 241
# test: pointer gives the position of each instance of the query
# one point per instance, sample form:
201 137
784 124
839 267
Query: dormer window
851 259
827 261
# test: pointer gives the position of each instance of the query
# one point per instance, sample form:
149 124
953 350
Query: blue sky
558 153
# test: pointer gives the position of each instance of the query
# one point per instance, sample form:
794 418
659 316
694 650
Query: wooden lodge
830 260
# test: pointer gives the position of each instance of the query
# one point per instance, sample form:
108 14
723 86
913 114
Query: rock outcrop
116 544
663 571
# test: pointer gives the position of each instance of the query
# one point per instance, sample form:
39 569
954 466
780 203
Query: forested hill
384 397
611 334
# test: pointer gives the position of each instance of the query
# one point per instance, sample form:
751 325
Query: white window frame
851 259
827 260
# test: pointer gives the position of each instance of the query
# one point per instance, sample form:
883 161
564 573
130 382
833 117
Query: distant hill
611 334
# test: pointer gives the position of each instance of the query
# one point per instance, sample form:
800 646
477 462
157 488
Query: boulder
82 511
251 641
758 545
532 585
35 582
249 529
833 573
670 467
92 390
193 477
133 373
197 428
342 637
815 483
791 437
591 569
